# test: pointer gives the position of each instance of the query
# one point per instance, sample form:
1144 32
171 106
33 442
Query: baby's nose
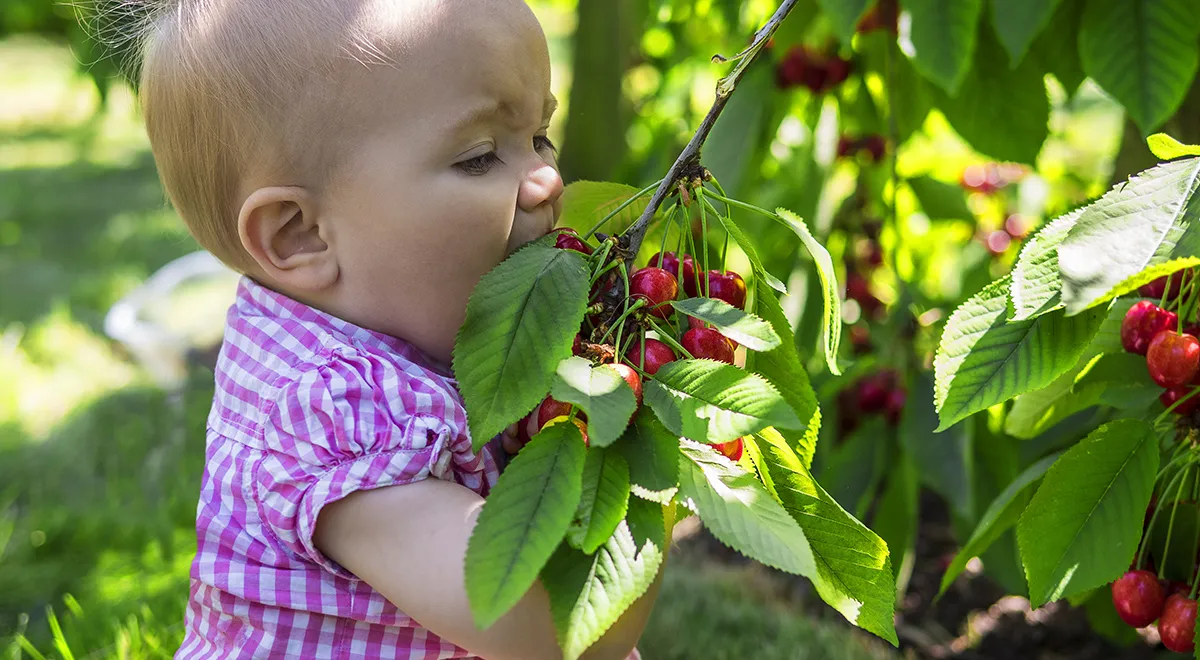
541 186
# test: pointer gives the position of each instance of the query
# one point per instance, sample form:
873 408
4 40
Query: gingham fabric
309 408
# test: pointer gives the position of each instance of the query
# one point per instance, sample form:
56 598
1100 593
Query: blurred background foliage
922 143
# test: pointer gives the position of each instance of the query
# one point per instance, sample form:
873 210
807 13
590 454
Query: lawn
100 468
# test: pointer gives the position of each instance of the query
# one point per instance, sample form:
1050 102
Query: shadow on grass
80 234
103 509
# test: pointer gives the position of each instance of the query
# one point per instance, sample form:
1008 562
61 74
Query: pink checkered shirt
308 409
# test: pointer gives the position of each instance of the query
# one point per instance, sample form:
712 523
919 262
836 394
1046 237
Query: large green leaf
652 453
1147 221
944 461
1018 22
832 330
854 571
943 35
1143 52
844 15
983 359
1012 128
742 327
1036 286
603 500
587 202
747 245
712 402
588 594
1082 527
1001 515
940 200
895 519
739 511
601 392
782 367
1056 49
524 519
519 324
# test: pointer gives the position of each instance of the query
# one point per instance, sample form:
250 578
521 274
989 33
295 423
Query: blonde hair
235 91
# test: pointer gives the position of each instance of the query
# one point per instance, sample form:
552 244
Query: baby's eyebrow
497 108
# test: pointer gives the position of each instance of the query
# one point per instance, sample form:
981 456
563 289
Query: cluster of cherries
874 146
805 67
1140 599
880 392
655 286
990 178
865 258
1016 228
1172 357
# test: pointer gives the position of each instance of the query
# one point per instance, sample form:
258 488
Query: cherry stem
628 305
1196 539
697 264
666 338
704 235
624 205
1175 405
690 156
637 304
600 257
1188 310
1171 522
1141 557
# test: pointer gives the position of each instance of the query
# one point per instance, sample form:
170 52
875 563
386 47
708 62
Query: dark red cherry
1142 322
1156 288
552 408
846 147
669 262
1173 358
732 449
893 406
631 376
1170 396
657 287
577 345
876 146
727 286
707 343
655 352
1138 597
1177 624
872 391
568 239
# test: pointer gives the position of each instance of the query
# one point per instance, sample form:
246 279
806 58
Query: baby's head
373 158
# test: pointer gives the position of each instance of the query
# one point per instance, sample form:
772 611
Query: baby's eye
542 142
479 164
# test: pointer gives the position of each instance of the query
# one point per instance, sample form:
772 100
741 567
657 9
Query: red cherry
837 71
732 449
1174 394
1177 625
857 288
873 393
1175 586
707 343
876 146
669 262
568 239
1016 226
694 322
1156 288
1138 597
800 67
873 253
1142 322
656 355
846 146
527 427
657 287
635 381
998 242
1173 359
576 345
883 16
893 407
552 408
860 339
727 286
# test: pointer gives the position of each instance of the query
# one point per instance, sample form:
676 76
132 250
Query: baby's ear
282 231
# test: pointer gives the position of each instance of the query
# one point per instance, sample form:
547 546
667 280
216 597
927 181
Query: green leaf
646 521
1036 286
983 360
736 508
854 571
1018 22
1142 52
524 519
829 287
742 327
782 367
587 202
1168 148
844 15
1056 50
943 35
747 246
1082 527
1144 222
1121 381
1035 412
519 324
1173 543
601 392
603 501
736 144
714 402
588 594
944 461
1011 129
652 453
1001 515
940 200
895 519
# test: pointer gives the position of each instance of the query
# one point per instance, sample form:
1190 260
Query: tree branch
689 158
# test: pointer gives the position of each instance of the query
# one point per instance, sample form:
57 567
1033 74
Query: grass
100 469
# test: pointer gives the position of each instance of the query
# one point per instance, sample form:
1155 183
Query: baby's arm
409 543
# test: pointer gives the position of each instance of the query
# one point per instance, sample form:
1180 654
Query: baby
363 163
